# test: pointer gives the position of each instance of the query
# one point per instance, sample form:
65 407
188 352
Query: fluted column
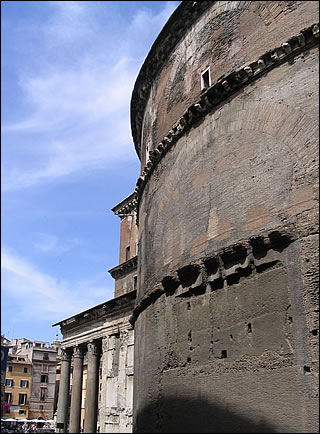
63 398
76 395
91 409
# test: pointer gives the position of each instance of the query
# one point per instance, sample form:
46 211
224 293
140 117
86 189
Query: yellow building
18 385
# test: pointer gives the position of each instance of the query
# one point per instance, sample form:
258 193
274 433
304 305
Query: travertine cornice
125 268
126 207
179 22
101 312
223 89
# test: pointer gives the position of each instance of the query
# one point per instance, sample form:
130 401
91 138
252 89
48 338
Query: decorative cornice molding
66 354
93 348
78 351
224 267
101 312
126 207
125 268
220 91
178 23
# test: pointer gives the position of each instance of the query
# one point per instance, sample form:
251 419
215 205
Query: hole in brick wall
188 305
223 354
216 284
306 369
249 327
259 249
211 265
263 267
231 337
279 241
188 275
236 256
188 359
315 332
169 284
241 272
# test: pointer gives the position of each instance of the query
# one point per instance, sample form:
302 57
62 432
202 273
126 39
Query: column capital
66 354
93 347
78 351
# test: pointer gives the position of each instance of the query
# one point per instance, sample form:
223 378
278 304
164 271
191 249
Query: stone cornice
222 268
125 268
100 312
126 206
223 89
178 23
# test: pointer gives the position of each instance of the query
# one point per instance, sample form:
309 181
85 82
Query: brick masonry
226 327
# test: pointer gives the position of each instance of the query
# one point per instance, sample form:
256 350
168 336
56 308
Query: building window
43 393
58 371
44 368
8 397
10 369
25 370
41 407
46 356
128 253
135 279
205 79
44 378
24 383
22 412
9 382
22 398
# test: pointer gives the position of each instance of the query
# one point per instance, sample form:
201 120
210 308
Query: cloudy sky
68 69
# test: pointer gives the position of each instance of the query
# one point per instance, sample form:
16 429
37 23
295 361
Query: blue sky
67 73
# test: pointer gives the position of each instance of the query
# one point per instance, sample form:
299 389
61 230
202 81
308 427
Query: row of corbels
219 266
219 91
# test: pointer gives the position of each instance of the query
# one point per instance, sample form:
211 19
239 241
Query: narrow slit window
128 253
205 79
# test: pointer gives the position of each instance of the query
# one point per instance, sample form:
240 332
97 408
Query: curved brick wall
226 332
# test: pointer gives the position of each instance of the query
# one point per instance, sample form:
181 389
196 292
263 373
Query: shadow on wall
174 415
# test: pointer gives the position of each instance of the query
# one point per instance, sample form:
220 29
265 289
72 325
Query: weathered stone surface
225 320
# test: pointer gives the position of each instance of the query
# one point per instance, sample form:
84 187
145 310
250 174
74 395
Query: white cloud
48 243
40 295
79 105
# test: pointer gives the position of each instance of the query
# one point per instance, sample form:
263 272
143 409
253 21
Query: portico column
90 418
63 399
76 395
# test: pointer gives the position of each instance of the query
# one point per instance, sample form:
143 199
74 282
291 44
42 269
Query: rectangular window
10 369
43 393
22 398
41 407
135 278
22 412
8 397
44 368
44 378
128 253
205 79
24 383
46 356
9 382
25 370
